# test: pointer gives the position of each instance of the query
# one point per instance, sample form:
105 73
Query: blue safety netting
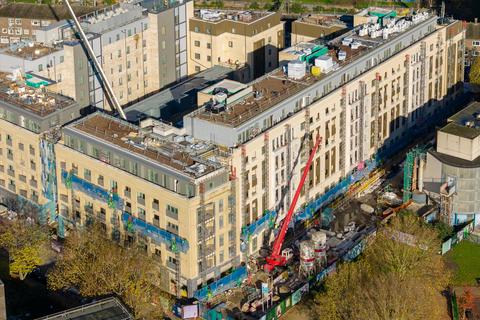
92 190
155 233
309 210
230 281
48 179
259 225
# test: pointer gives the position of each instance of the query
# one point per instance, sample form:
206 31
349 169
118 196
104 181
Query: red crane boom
275 258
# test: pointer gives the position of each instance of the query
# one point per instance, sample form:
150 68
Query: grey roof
106 309
171 104
457 123
454 161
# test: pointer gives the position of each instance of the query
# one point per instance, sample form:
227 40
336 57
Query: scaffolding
232 240
343 116
307 212
288 132
244 196
410 171
363 93
376 113
307 146
48 178
266 172
202 223
423 80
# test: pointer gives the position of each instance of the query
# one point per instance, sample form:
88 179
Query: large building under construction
372 91
201 197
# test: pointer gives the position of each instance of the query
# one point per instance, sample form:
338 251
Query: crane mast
275 258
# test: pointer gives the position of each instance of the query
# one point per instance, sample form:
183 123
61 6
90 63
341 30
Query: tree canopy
400 265
97 266
474 74
26 244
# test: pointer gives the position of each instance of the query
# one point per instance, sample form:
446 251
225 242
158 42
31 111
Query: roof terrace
15 91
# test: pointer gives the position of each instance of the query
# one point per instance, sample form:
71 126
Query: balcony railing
33 183
11 172
141 201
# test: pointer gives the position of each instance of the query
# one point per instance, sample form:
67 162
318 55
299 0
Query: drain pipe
107 86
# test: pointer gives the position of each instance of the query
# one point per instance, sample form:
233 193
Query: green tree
474 74
97 266
254 5
297 8
26 244
399 265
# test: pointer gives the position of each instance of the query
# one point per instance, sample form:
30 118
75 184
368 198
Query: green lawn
465 260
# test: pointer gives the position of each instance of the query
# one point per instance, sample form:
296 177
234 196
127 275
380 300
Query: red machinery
276 258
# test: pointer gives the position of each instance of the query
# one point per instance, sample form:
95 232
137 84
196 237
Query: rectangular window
196 43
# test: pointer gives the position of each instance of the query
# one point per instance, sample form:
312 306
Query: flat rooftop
241 16
28 50
277 86
465 123
110 308
181 155
42 11
41 102
173 103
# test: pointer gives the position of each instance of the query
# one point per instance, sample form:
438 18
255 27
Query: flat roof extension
181 155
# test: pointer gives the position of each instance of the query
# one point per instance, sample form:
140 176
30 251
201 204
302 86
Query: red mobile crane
276 258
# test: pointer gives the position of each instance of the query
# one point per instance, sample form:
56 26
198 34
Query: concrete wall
3 307
457 146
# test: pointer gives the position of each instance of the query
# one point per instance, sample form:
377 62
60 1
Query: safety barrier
93 191
230 281
173 241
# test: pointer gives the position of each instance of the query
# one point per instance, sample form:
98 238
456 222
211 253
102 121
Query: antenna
107 86
442 10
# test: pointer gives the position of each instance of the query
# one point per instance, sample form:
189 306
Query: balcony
128 208
22 178
11 173
156 206
33 166
127 193
208 232
23 193
33 183
2 168
172 230
209 249
171 265
88 209
34 198
9 142
101 216
141 201
10 156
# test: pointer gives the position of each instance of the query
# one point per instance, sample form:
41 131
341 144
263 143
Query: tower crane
90 54
276 258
